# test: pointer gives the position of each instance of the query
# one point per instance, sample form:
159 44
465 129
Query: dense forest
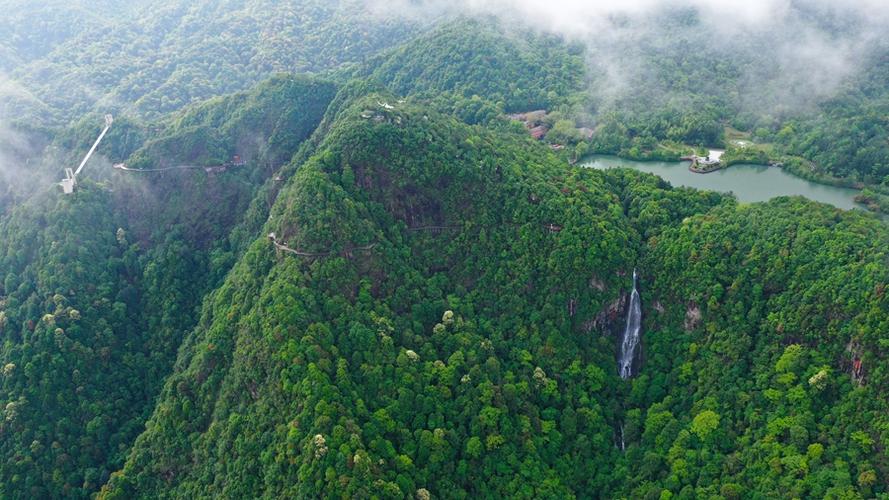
111 280
291 358
329 264
681 91
472 59
145 59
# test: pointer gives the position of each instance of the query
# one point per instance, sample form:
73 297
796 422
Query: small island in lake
705 164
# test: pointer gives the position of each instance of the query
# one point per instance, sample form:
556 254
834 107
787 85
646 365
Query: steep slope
187 220
434 315
439 334
98 289
437 312
264 125
147 59
73 355
518 71
766 366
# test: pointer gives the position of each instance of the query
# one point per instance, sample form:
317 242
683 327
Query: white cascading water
623 446
631 333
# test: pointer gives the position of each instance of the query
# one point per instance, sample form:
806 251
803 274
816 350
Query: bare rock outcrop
692 317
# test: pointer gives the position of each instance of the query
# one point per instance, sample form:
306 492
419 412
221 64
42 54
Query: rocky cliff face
610 318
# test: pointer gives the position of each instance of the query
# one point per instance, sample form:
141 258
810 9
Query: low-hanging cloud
12 146
584 19
801 51
24 158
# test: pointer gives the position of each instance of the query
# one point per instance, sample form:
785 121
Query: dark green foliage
74 354
440 316
90 325
847 138
786 295
358 349
98 289
472 360
199 146
123 138
264 126
150 58
469 58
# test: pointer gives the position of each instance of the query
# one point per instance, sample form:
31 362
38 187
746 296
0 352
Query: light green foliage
469 58
705 423
503 383
151 58
448 328
498 381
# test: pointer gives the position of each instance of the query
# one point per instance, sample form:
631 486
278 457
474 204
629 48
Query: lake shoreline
821 179
747 182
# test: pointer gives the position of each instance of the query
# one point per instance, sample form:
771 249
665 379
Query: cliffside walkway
549 226
284 248
122 166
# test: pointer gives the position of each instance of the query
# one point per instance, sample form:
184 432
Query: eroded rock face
855 364
611 314
658 306
597 284
692 317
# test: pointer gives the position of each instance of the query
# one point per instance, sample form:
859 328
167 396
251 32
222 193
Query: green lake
749 183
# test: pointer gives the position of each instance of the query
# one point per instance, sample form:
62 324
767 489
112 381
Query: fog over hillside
791 52
444 249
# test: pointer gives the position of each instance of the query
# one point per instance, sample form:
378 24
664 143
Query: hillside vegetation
401 358
150 58
98 289
398 292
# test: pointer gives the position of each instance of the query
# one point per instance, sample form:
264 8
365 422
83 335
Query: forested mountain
681 89
849 136
300 371
674 86
374 283
74 355
503 366
99 289
470 58
147 58
767 368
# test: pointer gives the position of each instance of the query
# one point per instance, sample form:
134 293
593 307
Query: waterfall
631 333
623 445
